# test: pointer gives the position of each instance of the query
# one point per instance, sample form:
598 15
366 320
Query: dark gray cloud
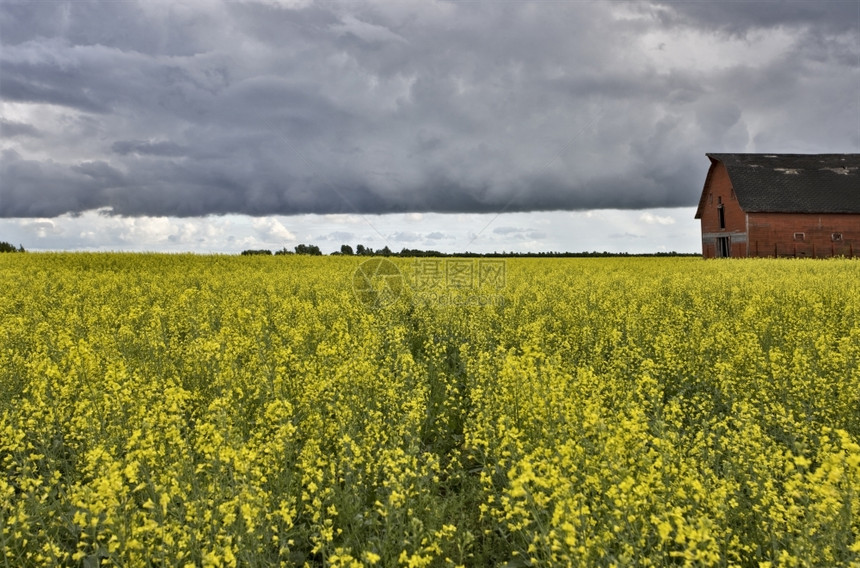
275 107
148 147
741 17
11 129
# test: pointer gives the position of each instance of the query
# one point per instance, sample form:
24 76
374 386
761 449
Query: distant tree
385 251
8 247
308 249
419 252
346 249
362 250
256 252
283 251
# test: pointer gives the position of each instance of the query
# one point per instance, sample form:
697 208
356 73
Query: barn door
724 247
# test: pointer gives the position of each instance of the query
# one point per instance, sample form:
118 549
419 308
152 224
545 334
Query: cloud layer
270 107
610 230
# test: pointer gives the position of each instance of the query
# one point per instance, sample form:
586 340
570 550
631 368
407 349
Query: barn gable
781 205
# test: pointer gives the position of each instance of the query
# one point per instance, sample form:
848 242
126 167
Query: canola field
181 410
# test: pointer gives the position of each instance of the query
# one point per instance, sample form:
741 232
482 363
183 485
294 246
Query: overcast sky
215 126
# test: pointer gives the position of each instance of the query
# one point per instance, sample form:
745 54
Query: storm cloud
292 107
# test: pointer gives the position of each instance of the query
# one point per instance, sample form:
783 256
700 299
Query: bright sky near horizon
223 125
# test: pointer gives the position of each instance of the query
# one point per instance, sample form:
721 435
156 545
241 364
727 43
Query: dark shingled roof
793 183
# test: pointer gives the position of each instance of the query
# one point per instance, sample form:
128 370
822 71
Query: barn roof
792 183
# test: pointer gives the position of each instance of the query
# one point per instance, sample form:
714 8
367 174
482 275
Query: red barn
801 205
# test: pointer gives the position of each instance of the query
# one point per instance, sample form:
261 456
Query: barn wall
772 234
718 188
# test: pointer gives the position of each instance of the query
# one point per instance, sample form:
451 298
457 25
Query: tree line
299 249
8 247
361 250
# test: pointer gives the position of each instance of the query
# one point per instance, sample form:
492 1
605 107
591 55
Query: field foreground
257 411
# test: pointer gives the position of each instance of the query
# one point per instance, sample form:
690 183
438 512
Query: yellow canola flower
226 411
